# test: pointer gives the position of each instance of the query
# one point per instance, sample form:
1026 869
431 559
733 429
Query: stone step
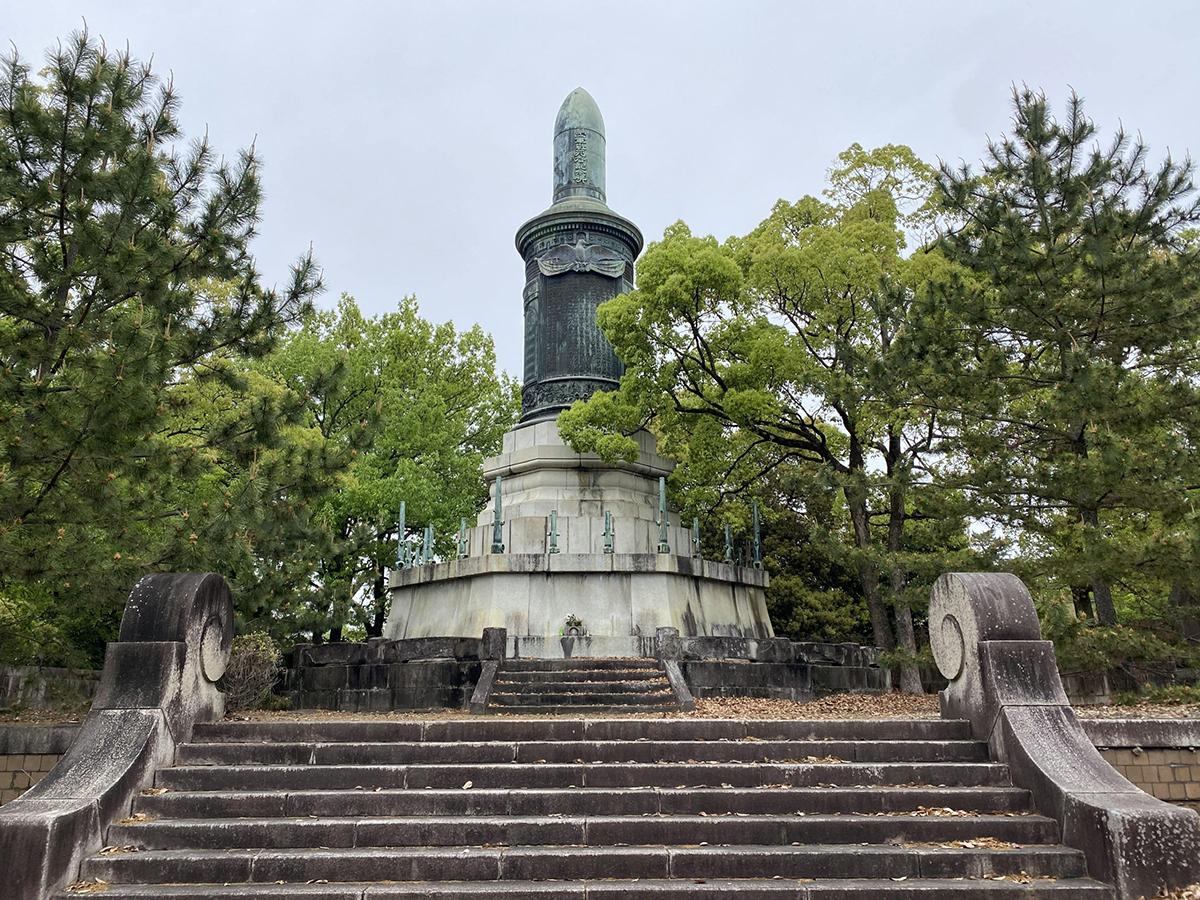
640 889
661 696
561 675
567 729
561 775
579 801
597 831
581 664
399 753
537 709
580 687
374 864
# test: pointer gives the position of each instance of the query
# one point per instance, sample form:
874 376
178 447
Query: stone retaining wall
27 753
43 687
1162 757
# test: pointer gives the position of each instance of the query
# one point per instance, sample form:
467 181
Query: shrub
252 671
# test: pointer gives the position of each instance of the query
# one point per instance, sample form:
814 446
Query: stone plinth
620 597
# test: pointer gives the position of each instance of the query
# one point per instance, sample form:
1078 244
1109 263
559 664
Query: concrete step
641 889
578 807
581 664
579 801
658 698
580 687
597 831
562 775
526 676
571 863
568 729
401 753
543 710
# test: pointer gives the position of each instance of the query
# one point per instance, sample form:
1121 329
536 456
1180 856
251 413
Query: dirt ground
835 706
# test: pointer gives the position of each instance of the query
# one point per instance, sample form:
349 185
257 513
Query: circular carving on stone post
195 608
215 646
968 607
952 649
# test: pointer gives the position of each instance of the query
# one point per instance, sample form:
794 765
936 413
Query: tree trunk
868 573
1083 600
910 673
1089 514
379 598
1106 612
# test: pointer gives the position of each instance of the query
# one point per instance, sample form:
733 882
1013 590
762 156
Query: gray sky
407 141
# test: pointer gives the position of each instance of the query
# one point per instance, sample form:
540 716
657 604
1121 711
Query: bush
252 671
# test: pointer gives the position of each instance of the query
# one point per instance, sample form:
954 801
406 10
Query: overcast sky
407 141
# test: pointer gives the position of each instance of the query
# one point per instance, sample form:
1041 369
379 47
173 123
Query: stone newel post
1004 680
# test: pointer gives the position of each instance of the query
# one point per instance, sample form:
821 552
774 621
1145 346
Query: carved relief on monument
579 158
554 394
581 257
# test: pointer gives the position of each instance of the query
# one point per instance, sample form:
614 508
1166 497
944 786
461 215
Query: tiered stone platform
587 807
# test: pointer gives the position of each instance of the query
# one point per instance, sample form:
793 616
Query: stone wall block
775 650
494 644
667 643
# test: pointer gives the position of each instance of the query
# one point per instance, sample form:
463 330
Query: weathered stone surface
158 680
1004 680
667 644
1172 733
40 739
483 687
494 645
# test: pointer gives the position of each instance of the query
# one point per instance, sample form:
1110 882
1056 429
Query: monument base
577 540
619 598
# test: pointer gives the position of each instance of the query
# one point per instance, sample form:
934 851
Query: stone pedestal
621 597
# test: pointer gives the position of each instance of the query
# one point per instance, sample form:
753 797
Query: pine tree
125 272
1074 376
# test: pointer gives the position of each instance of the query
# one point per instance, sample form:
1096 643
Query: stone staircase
565 686
551 807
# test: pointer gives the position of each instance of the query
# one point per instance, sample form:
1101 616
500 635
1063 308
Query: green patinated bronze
729 544
609 534
578 254
664 518
498 521
401 542
757 538
553 546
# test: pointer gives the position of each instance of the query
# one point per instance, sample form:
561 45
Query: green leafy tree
795 344
125 272
1072 350
420 405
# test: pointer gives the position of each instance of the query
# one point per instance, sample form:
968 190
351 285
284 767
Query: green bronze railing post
609 534
462 538
729 544
553 548
498 522
427 546
696 536
757 538
401 544
663 519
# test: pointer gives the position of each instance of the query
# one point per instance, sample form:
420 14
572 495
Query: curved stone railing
159 679
1004 679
